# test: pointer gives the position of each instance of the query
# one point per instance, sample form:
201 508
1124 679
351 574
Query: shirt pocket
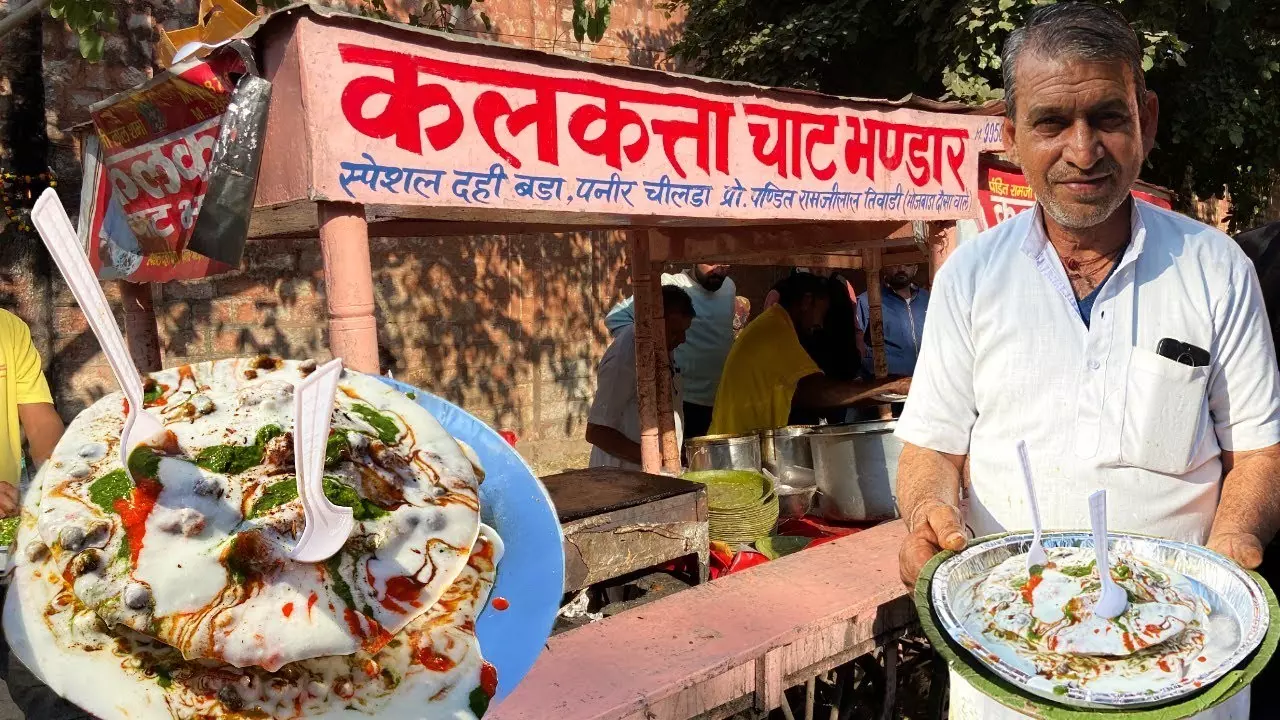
1165 418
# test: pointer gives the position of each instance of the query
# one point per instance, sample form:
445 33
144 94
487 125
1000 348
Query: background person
769 373
701 358
613 423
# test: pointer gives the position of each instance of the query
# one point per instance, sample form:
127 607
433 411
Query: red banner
146 173
1003 192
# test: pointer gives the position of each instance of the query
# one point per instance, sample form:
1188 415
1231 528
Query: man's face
899 277
710 277
1079 135
677 327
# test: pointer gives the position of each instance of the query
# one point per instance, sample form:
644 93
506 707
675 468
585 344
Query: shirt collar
1036 240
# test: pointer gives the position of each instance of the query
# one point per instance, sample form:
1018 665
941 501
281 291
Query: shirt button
1094 364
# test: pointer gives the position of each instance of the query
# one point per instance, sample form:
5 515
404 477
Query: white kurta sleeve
941 408
1244 390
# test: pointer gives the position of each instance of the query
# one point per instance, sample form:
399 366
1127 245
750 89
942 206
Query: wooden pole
348 285
942 242
668 444
140 330
646 365
875 318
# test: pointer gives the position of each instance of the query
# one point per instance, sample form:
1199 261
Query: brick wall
510 327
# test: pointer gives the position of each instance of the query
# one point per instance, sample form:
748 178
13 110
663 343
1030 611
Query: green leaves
591 19
89 20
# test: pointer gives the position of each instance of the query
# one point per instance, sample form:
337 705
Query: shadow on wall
510 327
649 48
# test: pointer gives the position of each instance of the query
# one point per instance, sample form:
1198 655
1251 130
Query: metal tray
1233 596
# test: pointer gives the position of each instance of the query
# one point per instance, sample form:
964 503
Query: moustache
1102 168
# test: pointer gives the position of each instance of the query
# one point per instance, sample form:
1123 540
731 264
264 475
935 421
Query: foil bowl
1239 616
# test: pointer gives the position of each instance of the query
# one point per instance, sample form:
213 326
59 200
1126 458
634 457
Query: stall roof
441 129
612 69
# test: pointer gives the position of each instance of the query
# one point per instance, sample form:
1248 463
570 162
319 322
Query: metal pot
724 452
856 466
786 453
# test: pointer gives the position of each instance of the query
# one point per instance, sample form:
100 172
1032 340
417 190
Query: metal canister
724 452
787 454
856 467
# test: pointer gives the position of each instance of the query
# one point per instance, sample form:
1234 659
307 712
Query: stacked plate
742 505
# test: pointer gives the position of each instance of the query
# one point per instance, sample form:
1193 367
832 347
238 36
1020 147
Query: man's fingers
916 552
944 521
8 500
1243 548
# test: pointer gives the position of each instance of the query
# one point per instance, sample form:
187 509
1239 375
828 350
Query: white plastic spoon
327 525
1114 599
1036 555
60 237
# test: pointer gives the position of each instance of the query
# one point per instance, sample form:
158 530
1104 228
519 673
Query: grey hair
1078 30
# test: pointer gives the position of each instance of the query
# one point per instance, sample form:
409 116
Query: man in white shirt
1127 345
701 358
613 423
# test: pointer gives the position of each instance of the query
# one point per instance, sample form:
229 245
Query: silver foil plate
1238 613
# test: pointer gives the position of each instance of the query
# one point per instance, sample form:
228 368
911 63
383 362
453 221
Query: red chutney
436 663
404 590
287 609
375 638
1164 665
311 602
133 514
1030 587
489 679
500 604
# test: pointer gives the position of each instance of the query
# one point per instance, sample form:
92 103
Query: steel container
724 452
787 454
856 469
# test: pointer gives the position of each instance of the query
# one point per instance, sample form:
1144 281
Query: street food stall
376 129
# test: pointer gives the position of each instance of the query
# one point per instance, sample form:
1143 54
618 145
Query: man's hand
933 526
8 500
1243 548
901 386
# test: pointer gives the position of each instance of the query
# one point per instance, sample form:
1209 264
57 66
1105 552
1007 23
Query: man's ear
1010 146
1149 121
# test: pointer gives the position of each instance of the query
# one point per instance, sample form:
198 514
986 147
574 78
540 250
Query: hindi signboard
441 124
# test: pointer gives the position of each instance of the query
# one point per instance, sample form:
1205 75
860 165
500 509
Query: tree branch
16 18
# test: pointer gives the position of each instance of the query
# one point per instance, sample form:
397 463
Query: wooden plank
875 313
140 329
941 245
646 370
610 545
695 244
592 491
668 444
697 650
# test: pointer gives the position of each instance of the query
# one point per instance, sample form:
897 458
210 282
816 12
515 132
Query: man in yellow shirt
768 371
26 408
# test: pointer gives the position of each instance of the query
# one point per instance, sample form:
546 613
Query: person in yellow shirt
26 408
768 371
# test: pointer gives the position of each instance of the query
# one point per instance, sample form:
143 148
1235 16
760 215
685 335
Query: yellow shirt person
768 371
760 375
25 405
